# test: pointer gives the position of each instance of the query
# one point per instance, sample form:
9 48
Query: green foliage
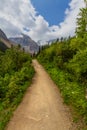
68 68
66 62
77 44
16 74
81 29
78 66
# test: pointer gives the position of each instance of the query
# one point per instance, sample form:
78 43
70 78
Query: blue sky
40 19
51 10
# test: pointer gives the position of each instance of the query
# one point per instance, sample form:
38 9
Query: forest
66 62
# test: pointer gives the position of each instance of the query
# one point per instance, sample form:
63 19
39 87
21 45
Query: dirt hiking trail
42 107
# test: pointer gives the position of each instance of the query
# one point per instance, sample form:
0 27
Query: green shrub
15 76
68 68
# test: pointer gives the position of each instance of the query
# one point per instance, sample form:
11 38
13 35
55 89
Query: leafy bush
68 68
15 76
66 62
78 66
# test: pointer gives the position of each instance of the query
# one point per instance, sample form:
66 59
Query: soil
42 107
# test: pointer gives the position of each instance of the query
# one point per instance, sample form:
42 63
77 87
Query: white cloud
16 15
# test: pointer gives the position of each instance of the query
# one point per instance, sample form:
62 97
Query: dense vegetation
66 62
16 73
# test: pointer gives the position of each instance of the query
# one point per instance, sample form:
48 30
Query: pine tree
85 2
81 30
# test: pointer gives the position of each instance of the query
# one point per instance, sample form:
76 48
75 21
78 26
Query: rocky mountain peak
3 35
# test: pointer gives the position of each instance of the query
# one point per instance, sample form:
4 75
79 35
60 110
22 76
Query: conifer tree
81 30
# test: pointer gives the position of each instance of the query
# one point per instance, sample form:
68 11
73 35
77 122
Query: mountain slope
26 42
3 35
3 47
4 42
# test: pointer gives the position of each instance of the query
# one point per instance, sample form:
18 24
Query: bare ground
42 107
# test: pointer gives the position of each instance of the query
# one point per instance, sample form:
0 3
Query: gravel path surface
42 107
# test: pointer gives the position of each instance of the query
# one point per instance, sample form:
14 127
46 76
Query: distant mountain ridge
45 42
26 42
